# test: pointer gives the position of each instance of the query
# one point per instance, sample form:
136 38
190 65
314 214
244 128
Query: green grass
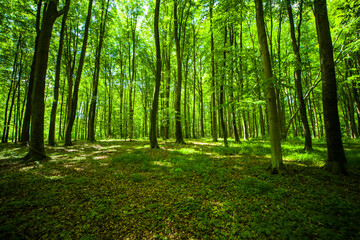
118 190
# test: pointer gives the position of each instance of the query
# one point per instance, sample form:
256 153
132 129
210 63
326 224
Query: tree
222 92
275 135
336 160
155 103
179 29
298 66
74 99
25 133
51 139
37 150
92 110
213 96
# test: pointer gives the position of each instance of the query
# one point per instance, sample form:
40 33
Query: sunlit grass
199 190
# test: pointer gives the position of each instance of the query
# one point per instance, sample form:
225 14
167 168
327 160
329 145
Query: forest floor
123 190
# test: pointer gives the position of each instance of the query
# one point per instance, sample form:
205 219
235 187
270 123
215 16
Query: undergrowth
201 190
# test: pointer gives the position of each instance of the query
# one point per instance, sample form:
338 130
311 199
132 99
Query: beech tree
273 116
50 14
155 103
74 96
336 160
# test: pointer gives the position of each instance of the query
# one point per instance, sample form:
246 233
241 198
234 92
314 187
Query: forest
180 119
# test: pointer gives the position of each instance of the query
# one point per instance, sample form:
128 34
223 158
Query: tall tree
336 161
74 101
298 66
222 92
179 29
92 110
155 103
51 139
275 135
37 150
25 133
213 88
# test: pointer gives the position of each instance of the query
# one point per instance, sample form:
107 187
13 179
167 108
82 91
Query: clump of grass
136 177
135 157
353 156
252 185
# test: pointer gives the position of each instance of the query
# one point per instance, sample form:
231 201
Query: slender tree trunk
213 88
194 83
275 135
232 101
177 33
222 93
155 103
298 84
92 111
74 102
336 156
202 126
11 89
51 139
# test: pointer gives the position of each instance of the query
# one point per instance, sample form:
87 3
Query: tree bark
51 139
37 150
222 93
336 161
74 101
155 103
275 135
25 133
177 35
232 101
298 84
92 111
213 88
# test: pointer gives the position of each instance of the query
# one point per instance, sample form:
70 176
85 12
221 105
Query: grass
201 190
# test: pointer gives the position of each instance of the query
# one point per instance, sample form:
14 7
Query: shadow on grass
206 191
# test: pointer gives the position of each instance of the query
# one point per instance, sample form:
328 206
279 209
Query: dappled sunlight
182 189
163 164
71 150
27 168
238 167
54 177
100 157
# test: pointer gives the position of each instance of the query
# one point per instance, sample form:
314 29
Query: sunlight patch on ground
54 177
25 169
100 157
166 164
238 167
205 143
71 150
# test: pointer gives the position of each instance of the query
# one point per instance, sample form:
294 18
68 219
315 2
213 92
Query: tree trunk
177 33
74 102
222 93
92 111
194 83
11 89
25 133
275 135
37 150
51 139
213 88
155 103
232 101
298 84
336 156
